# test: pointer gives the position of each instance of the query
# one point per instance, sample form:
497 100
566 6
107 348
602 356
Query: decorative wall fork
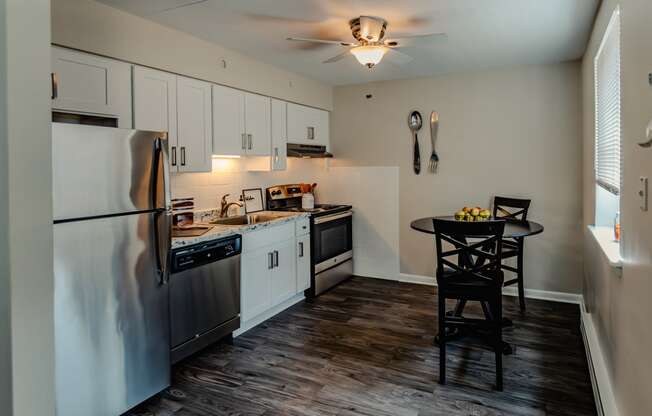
434 158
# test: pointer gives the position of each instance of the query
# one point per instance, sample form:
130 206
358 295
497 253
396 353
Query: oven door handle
327 218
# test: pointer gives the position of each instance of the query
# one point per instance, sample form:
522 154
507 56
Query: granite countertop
219 231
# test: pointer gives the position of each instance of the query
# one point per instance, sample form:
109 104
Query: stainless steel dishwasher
204 294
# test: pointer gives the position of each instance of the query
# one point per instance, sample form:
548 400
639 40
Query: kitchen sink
244 219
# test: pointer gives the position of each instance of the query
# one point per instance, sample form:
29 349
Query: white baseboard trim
508 291
418 279
246 326
605 401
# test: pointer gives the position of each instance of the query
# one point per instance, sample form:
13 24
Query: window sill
611 249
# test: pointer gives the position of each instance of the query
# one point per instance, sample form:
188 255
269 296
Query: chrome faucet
224 207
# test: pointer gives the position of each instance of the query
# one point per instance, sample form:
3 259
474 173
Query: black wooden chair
470 271
513 209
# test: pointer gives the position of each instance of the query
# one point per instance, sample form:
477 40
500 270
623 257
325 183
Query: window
607 124
607 108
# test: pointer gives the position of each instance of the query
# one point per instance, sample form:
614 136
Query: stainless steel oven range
331 236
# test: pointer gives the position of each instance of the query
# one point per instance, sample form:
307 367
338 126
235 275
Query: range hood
307 151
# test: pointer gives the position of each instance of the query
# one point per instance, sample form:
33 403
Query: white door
194 125
155 105
258 125
279 134
89 84
228 121
307 125
256 295
303 263
284 275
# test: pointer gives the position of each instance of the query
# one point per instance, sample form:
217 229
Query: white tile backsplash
373 192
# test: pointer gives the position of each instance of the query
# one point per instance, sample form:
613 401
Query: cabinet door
303 263
228 121
256 295
194 125
258 125
321 121
298 121
91 84
279 135
307 125
284 275
155 105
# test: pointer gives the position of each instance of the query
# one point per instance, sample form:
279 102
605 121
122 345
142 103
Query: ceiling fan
371 47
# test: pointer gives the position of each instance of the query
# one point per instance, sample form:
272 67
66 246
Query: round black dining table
513 229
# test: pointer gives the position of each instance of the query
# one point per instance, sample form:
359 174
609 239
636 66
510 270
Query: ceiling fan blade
330 42
339 57
398 58
394 41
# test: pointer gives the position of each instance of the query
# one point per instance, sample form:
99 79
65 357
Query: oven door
332 240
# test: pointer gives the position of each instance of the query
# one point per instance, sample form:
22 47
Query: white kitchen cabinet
279 135
307 125
242 123
303 262
88 84
228 121
284 275
155 105
258 125
256 283
194 124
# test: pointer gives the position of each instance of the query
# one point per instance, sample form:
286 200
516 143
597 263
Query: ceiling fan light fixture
369 55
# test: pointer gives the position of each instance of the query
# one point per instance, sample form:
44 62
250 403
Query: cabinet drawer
268 235
302 226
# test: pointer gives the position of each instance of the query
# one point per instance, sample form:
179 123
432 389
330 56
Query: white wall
26 210
513 132
619 303
98 28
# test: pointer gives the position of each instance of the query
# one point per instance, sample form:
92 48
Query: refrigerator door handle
162 242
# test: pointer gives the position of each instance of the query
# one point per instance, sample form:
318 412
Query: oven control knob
276 192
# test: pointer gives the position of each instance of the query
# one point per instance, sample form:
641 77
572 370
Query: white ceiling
481 34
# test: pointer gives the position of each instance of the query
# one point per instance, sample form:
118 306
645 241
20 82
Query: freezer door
111 313
101 171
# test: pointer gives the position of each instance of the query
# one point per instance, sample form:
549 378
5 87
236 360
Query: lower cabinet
275 267
256 283
284 274
303 262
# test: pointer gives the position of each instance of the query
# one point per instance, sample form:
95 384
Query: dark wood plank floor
366 348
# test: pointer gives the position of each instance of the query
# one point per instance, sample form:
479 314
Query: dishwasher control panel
207 252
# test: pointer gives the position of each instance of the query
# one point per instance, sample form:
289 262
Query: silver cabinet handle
55 85
301 249
270 260
275 156
174 155
183 155
244 141
275 258
249 137
311 133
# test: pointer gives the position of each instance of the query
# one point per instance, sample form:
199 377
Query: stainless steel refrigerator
111 242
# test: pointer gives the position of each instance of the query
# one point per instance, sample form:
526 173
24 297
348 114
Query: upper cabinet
229 136
180 106
194 124
88 84
155 105
279 135
307 125
242 123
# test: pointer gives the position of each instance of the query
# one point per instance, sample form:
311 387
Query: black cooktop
318 210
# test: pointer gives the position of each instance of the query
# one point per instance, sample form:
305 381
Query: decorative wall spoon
415 122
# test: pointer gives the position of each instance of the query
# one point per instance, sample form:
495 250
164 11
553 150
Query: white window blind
607 108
